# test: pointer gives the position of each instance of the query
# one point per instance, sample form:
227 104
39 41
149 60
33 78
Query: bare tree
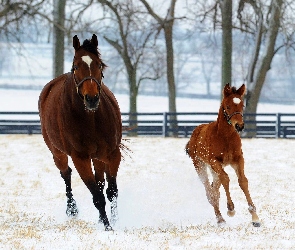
131 34
263 22
226 24
58 37
267 28
166 24
17 15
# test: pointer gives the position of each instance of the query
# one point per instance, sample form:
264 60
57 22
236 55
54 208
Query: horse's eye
75 67
228 107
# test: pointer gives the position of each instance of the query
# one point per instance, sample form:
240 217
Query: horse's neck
223 128
72 98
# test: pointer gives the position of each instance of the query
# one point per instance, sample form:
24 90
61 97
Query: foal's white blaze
236 100
87 59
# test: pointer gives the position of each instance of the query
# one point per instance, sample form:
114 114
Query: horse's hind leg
112 190
212 191
61 161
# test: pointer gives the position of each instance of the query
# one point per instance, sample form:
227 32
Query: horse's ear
242 90
94 40
76 42
227 90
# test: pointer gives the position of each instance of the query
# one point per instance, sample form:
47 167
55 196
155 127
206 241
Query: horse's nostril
91 102
87 98
239 127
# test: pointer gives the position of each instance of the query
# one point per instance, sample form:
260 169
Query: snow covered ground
27 100
161 204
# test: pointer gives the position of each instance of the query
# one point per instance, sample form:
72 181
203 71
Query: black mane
88 46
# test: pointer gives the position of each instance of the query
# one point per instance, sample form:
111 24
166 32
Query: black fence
274 125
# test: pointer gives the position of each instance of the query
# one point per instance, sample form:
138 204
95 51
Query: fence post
165 125
278 125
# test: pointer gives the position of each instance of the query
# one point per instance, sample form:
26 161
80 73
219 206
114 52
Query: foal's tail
187 148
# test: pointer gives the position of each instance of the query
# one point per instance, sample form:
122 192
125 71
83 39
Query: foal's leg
83 166
212 191
243 182
61 161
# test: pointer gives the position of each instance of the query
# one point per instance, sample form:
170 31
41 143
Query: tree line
139 30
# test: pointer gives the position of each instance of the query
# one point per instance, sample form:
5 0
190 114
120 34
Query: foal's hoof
72 209
220 221
231 213
256 223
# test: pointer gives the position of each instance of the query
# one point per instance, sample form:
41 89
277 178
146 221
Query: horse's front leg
72 209
243 182
224 180
61 161
83 166
112 190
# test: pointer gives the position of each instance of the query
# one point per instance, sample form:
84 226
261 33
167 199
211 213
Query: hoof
106 223
256 223
231 213
72 209
108 228
220 221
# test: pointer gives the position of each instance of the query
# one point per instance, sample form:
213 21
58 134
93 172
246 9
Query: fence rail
274 125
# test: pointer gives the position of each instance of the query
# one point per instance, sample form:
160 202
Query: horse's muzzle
239 127
91 102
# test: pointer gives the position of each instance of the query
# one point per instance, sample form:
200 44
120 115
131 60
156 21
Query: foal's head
232 106
88 71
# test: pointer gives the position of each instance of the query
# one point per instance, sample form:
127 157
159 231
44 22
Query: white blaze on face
87 60
236 100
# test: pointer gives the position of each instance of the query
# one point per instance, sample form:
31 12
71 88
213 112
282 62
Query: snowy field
27 100
161 204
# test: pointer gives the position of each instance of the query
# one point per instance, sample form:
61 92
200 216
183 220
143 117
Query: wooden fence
274 125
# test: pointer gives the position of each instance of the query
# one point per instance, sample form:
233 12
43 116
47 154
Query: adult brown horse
80 118
218 144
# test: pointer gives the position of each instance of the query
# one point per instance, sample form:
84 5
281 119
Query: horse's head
232 106
87 71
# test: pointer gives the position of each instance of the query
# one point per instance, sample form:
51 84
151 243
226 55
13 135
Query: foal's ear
94 40
227 90
76 42
242 90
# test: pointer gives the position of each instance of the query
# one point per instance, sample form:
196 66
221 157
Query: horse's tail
125 149
187 148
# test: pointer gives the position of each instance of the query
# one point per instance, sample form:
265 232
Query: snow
27 100
162 203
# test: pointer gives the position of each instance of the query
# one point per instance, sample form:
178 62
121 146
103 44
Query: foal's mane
88 46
